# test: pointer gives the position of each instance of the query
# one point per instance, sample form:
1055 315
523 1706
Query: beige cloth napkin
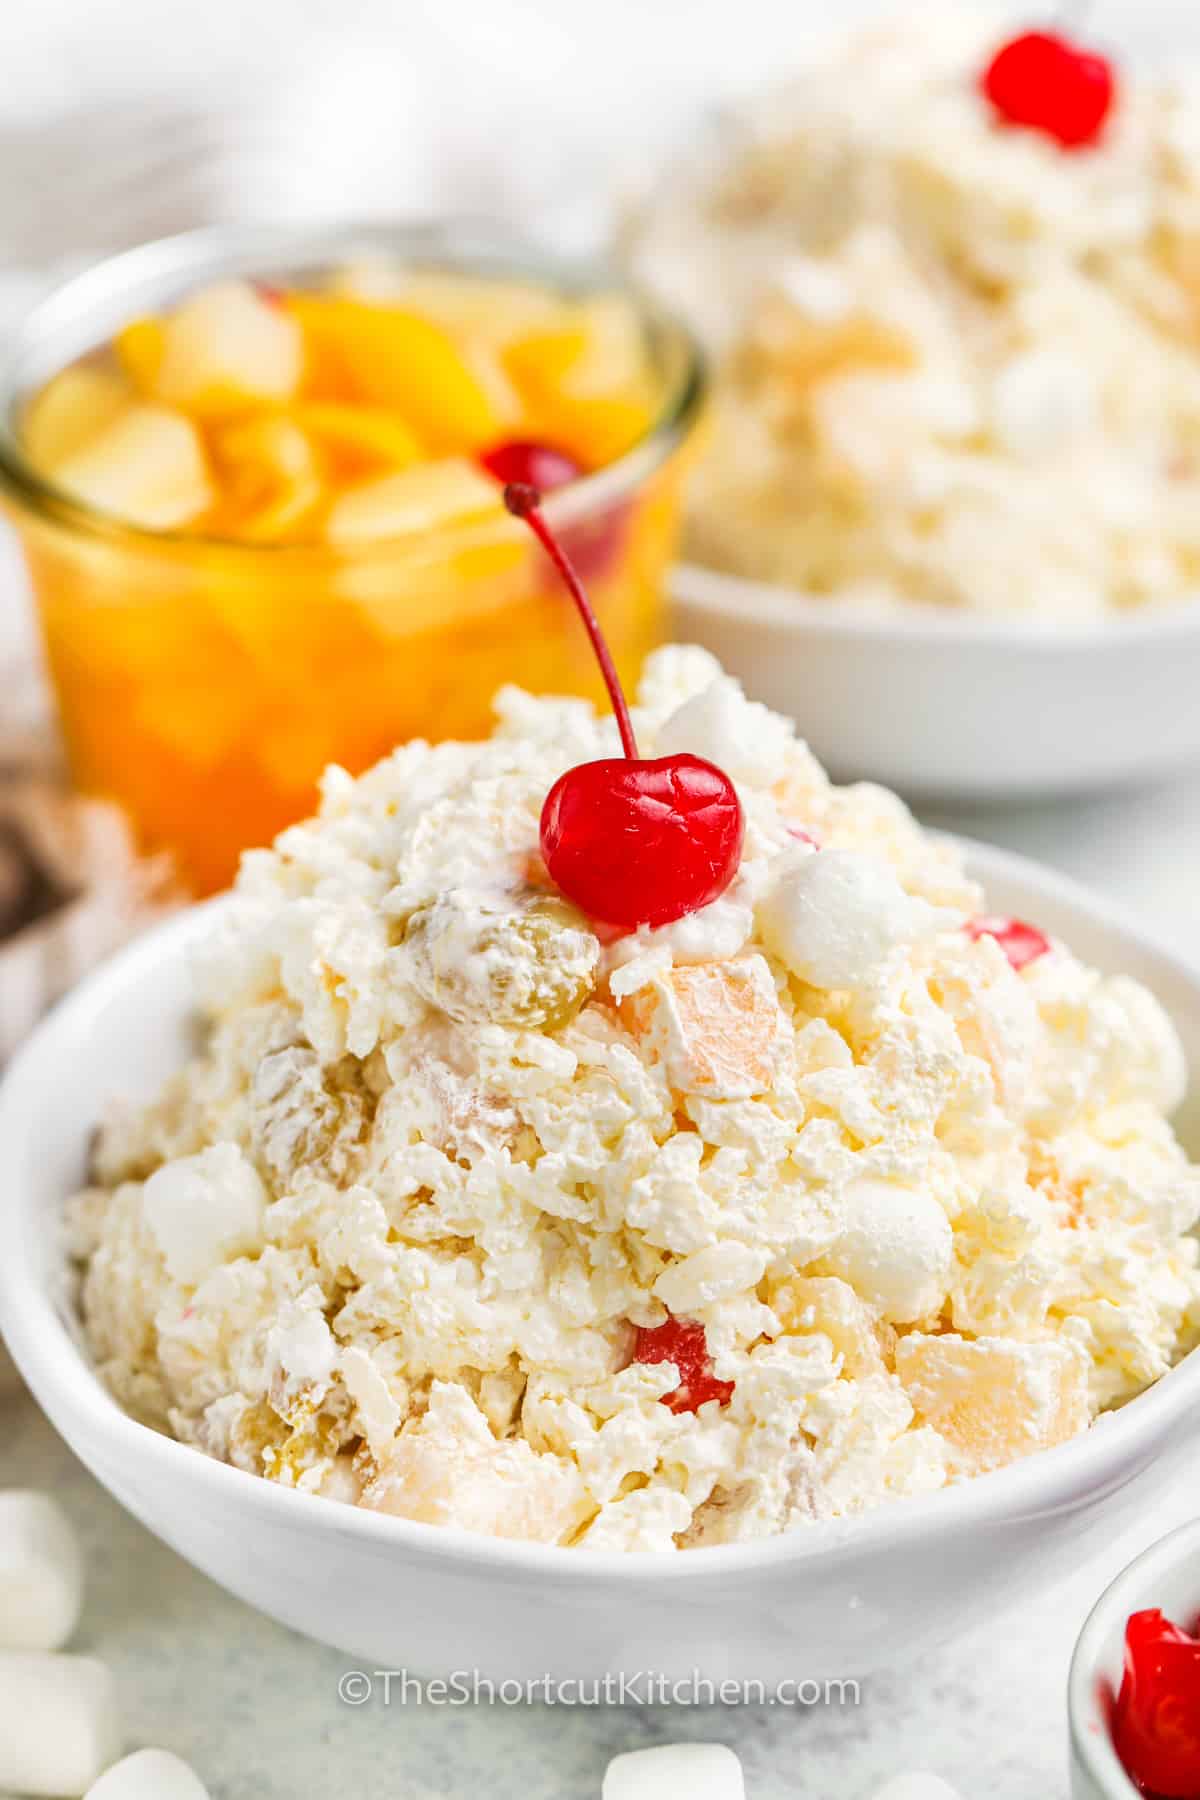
72 887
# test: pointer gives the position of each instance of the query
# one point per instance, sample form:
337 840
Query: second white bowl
836 1598
948 707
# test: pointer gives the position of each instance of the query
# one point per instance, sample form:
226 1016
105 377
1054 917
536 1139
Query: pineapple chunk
226 349
422 498
147 466
139 349
712 1025
448 1469
994 1399
70 410
808 1303
468 307
614 353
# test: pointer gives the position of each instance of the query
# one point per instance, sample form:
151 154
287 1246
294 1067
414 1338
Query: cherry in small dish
1156 1723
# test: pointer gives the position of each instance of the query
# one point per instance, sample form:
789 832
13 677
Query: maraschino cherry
632 842
682 1342
595 542
534 465
1156 1726
1044 81
1020 942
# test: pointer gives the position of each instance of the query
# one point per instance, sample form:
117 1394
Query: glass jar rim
84 311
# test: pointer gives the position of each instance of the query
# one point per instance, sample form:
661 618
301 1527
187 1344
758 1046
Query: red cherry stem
524 502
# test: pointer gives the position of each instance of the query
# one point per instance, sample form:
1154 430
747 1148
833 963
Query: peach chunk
712 1025
994 1399
139 350
272 477
396 359
448 1469
360 437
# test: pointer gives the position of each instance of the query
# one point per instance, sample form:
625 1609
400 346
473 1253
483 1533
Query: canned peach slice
272 479
139 350
359 438
396 359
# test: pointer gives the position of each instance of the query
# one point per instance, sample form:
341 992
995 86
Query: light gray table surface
257 1708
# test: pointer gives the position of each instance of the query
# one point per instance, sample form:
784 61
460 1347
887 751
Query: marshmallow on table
675 1772
149 1775
59 1727
41 1572
916 1784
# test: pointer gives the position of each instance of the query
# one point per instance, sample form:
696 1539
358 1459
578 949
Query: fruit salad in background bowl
1134 1692
948 282
257 478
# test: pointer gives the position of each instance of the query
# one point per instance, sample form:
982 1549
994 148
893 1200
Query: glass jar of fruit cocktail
257 476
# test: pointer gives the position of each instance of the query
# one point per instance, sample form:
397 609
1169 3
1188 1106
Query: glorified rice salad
828 1190
952 278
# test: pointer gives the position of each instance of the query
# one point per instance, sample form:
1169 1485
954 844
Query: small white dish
950 707
1167 1575
835 1599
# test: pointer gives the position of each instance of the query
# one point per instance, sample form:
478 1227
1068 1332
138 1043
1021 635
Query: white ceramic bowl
1166 1575
834 1599
949 707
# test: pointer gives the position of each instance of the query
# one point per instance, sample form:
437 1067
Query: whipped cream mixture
957 362
404 1231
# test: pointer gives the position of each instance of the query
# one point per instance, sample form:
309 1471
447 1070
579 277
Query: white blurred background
121 118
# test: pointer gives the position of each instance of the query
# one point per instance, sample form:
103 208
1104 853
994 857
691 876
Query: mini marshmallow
895 1247
41 1572
149 1775
916 1784
59 1727
816 288
203 1209
1041 400
833 915
675 1772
